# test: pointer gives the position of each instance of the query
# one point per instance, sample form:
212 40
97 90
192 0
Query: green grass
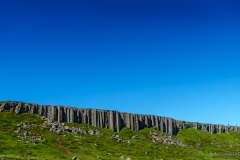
66 145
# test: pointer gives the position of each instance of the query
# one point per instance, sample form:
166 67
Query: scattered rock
117 137
106 154
91 132
165 139
61 127
135 137
75 158
198 144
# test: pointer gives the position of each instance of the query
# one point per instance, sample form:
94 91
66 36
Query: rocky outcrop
212 128
111 119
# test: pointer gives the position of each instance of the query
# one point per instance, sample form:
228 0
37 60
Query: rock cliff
111 119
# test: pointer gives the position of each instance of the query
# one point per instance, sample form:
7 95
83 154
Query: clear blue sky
179 59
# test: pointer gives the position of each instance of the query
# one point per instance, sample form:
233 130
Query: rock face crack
112 119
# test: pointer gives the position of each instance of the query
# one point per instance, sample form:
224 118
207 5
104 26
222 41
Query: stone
75 158
25 134
198 144
66 128
2 107
91 132
110 119
97 132
58 131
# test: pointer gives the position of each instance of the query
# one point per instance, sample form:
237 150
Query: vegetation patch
27 136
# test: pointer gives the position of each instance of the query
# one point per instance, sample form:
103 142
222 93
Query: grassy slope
67 145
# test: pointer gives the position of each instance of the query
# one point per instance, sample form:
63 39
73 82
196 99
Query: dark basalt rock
111 119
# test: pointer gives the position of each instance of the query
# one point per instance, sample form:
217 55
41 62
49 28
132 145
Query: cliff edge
112 119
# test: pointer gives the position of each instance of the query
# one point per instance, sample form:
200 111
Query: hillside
114 120
28 136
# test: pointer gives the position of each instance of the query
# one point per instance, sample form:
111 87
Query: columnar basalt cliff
111 119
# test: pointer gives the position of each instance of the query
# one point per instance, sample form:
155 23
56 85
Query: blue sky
178 59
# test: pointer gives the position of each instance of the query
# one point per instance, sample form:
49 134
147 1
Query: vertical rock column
101 119
170 126
118 122
94 118
161 124
66 114
157 122
84 116
71 114
127 120
98 118
45 110
60 114
166 124
18 108
89 116
112 120
81 115
220 129
140 122
106 119
132 121
196 125
40 110
78 118
153 121
53 113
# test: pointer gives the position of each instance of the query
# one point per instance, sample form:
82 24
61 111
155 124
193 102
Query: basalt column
32 108
71 118
78 116
94 117
146 121
152 121
98 118
112 120
45 111
89 116
101 119
132 124
40 110
196 125
18 108
128 123
118 122
60 114
141 122
171 126
83 115
156 122
164 124
53 113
